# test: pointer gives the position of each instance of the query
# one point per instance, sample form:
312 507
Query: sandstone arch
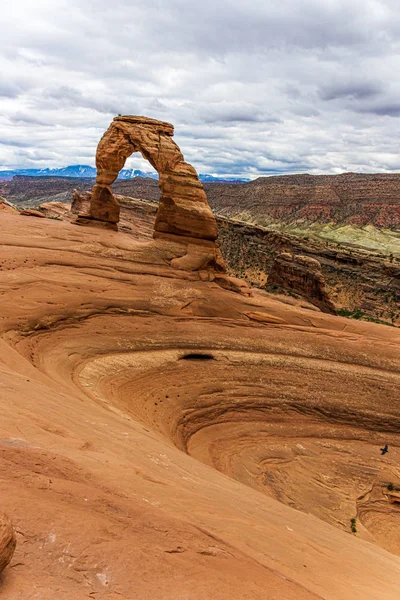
183 208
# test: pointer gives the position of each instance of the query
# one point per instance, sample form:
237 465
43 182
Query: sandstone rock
31 212
103 205
199 257
7 207
233 284
89 221
303 275
54 209
80 202
114 364
261 317
183 208
7 541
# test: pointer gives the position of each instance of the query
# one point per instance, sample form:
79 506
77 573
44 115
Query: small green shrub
353 522
351 314
393 488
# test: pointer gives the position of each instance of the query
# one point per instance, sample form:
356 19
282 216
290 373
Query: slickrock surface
356 280
303 275
7 541
183 208
30 212
157 431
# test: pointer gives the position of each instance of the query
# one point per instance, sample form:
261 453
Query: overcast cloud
252 86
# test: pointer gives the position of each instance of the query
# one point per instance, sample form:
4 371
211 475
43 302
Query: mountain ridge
86 171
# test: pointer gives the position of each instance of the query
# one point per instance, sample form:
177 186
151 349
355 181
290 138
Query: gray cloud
252 87
351 89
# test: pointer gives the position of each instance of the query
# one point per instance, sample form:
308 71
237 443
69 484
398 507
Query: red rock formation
6 206
99 343
303 275
7 541
80 202
31 212
183 209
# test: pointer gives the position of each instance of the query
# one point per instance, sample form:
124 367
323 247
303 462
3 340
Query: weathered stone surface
80 202
31 212
199 257
7 206
54 209
7 541
105 393
233 284
183 208
302 275
89 221
103 205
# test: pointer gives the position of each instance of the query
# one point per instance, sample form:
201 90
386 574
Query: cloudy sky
252 86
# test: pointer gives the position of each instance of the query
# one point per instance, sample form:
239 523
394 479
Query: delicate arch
183 208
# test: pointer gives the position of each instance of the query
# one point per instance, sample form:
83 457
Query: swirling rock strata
7 541
124 380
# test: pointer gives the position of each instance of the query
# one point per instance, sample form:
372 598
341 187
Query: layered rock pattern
355 279
124 380
6 206
7 541
302 275
183 209
349 198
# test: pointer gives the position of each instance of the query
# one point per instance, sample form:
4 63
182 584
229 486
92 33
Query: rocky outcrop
31 212
359 282
7 541
183 209
80 202
7 206
54 210
302 275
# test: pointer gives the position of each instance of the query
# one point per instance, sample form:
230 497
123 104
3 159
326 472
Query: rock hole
197 356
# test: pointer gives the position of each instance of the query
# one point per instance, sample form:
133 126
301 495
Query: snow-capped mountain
90 172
